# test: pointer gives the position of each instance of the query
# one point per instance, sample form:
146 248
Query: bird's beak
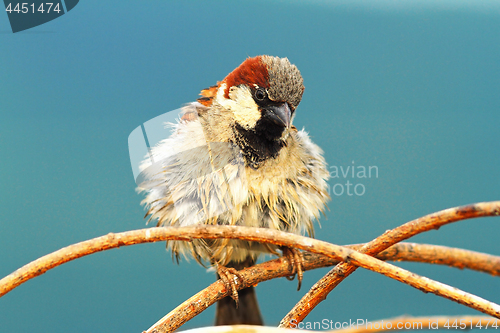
280 114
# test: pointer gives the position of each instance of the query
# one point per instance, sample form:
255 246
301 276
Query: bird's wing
193 180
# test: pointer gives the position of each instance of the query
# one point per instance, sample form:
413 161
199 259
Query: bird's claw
296 259
230 277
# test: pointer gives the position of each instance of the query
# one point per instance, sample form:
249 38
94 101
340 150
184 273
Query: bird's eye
260 94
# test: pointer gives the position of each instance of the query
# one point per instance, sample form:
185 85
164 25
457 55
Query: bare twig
424 284
280 268
150 235
404 251
424 253
433 221
263 235
442 255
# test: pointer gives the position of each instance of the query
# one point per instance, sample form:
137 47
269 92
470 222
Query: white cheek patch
240 102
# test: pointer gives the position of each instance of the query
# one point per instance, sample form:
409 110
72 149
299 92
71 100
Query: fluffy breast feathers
195 180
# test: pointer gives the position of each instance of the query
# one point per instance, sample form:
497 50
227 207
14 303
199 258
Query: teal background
411 87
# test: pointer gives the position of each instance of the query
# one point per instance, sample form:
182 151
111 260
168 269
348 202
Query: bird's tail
248 309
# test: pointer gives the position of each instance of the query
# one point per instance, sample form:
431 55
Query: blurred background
411 87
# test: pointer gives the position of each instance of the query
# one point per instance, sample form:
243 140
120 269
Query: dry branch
325 285
424 253
47 262
441 255
280 268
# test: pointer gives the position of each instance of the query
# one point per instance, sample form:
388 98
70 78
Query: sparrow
234 158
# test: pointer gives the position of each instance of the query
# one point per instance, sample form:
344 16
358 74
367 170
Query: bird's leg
229 277
296 259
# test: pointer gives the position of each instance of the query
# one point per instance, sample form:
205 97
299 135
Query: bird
235 158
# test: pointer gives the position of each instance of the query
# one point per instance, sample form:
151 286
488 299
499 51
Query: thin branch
325 285
424 284
281 267
254 275
263 235
424 253
441 255
150 235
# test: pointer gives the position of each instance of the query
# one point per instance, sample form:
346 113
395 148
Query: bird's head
262 95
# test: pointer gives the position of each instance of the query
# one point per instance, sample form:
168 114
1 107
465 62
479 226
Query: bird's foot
296 259
230 277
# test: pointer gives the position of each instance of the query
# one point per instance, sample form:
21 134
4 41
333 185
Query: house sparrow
234 158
